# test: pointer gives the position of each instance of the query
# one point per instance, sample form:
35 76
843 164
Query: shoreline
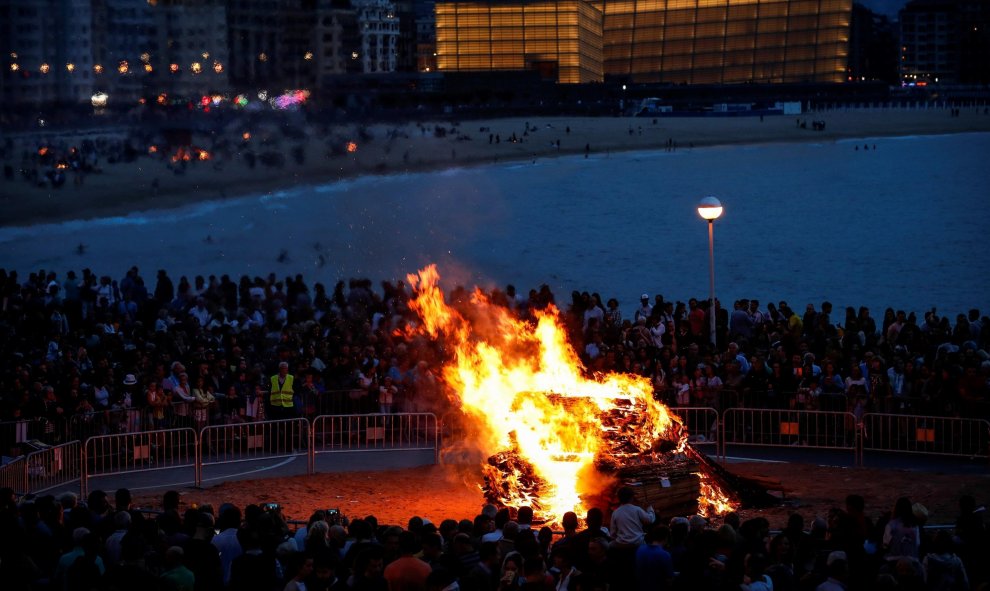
124 189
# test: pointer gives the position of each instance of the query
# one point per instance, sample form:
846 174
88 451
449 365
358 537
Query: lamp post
710 208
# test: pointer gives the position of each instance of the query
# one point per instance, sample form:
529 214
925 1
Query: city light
162 98
70 67
263 57
196 68
145 57
13 55
206 55
14 67
147 67
308 56
44 68
123 68
173 68
98 69
290 99
99 99
217 67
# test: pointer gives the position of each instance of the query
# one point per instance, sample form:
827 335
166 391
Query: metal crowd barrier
782 428
702 424
54 466
376 432
947 436
13 475
244 442
124 453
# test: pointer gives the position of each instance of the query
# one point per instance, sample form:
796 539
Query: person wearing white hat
645 309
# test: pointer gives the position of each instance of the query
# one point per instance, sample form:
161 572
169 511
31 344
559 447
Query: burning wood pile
556 438
674 479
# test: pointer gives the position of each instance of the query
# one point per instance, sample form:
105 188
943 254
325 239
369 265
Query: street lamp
710 208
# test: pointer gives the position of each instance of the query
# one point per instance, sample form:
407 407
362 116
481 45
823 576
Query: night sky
888 7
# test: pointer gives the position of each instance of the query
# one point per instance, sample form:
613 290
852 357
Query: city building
561 39
426 36
378 26
872 47
125 41
665 41
337 42
945 41
192 48
296 44
48 51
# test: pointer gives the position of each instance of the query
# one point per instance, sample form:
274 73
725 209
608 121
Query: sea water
899 222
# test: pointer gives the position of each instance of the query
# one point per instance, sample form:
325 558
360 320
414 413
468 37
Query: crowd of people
99 544
214 350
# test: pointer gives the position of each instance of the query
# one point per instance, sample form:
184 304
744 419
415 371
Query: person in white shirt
629 521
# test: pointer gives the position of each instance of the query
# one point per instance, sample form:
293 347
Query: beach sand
126 188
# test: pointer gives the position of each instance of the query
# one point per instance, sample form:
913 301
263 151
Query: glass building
671 41
562 39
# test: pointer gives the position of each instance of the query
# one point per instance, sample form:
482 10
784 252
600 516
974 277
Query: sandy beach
384 149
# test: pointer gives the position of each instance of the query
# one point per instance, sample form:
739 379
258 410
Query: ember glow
525 390
713 500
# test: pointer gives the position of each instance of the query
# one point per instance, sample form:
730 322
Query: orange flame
713 500
525 388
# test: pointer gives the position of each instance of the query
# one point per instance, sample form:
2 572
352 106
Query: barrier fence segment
702 424
123 453
787 428
13 475
947 436
54 466
376 432
245 442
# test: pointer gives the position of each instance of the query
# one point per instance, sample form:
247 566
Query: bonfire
556 438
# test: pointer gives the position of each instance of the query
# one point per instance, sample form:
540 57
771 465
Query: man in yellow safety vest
281 393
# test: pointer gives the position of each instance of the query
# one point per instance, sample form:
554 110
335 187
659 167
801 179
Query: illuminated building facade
669 41
560 38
